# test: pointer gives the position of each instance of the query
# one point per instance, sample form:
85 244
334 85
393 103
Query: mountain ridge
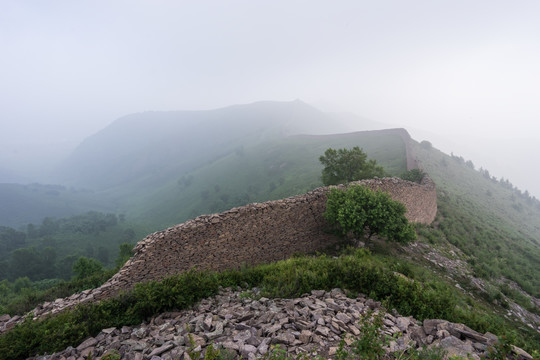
141 137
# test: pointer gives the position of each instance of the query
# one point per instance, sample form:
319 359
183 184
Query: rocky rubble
249 326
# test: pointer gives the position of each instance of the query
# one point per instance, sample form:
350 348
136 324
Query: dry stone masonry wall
256 233
251 234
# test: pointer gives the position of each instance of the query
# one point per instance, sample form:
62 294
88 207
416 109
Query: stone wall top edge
205 219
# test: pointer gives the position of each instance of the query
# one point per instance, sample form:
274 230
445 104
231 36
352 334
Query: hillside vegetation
151 146
494 224
267 171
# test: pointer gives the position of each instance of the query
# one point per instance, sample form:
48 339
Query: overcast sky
466 71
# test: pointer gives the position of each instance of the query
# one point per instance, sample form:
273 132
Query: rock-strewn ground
248 326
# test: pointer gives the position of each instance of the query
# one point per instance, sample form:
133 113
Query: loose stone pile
248 326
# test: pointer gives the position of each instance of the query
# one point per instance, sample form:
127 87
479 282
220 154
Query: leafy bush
342 166
85 267
414 175
358 209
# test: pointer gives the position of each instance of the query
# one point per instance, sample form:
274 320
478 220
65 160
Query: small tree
85 267
359 209
414 175
125 253
343 166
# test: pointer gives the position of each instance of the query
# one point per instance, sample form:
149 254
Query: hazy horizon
460 74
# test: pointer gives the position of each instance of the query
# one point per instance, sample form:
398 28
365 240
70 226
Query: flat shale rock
249 328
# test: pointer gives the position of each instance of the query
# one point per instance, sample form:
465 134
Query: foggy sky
463 74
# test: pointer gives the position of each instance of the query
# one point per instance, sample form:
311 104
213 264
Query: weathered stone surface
522 354
160 350
403 323
305 336
87 343
456 347
431 325
418 334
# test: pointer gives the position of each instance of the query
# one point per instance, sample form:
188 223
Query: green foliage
51 256
501 349
23 295
433 353
343 166
491 222
33 263
10 239
21 283
278 353
369 344
174 292
358 208
111 355
194 354
414 175
126 251
85 267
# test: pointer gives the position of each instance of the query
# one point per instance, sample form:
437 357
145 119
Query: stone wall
255 233
251 234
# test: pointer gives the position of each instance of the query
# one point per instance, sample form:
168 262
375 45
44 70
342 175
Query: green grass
495 227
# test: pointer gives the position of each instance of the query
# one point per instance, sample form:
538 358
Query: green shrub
343 165
369 344
358 208
414 175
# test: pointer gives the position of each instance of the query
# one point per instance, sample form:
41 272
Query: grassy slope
453 176
498 229
261 172
495 229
